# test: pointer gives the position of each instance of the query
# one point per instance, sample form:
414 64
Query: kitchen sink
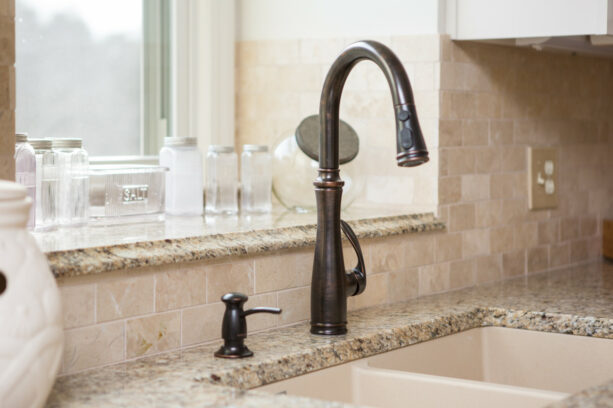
488 366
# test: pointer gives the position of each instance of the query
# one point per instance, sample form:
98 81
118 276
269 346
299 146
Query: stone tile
449 190
488 213
461 217
460 160
501 132
579 251
514 158
487 160
387 255
526 235
237 276
281 271
559 255
93 346
461 274
124 297
475 133
450 133
569 228
538 259
153 334
513 211
588 226
475 187
488 268
403 284
375 293
296 305
180 287
419 250
514 263
77 305
433 279
502 186
475 242
548 231
501 239
262 321
448 247
202 323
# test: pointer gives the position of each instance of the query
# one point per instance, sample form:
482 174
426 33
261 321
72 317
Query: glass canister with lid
46 184
25 171
256 179
184 177
221 180
73 181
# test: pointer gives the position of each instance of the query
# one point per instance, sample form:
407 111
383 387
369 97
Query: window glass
78 72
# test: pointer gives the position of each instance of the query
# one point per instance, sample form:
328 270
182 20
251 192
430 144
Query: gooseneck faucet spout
330 284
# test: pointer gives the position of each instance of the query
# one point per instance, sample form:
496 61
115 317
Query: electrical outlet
542 178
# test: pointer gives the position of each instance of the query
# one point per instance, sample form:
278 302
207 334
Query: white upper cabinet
504 19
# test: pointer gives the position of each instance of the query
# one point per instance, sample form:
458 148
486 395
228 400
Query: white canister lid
180 141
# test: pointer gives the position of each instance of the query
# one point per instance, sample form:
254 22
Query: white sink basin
488 366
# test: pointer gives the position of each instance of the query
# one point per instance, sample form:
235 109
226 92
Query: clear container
25 171
126 190
221 180
46 184
294 173
184 177
256 179
73 182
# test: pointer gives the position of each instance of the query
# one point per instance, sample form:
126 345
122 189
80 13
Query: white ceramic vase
31 335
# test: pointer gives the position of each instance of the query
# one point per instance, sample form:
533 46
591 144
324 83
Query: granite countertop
96 248
576 301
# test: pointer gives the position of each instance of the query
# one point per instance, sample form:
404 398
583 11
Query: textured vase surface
31 335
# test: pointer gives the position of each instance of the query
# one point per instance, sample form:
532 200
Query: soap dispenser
234 325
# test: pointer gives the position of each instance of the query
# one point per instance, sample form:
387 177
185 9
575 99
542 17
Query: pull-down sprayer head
410 145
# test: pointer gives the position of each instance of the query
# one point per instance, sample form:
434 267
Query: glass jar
221 180
73 181
46 184
184 177
25 171
294 173
256 179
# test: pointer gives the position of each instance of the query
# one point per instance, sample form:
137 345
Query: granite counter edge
101 259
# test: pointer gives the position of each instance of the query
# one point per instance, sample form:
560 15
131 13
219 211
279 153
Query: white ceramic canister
31 335
184 177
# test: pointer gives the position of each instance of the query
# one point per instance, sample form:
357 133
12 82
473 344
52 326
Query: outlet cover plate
542 178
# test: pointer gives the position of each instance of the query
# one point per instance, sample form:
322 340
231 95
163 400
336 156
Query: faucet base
328 329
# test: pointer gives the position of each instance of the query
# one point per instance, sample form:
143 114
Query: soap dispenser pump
234 325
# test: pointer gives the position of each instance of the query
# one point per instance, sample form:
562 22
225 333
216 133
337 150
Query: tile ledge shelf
165 245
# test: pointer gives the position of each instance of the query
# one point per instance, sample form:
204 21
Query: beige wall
7 89
496 101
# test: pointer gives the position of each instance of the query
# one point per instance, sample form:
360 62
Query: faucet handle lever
356 278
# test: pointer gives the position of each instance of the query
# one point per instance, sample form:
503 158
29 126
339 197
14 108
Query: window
95 69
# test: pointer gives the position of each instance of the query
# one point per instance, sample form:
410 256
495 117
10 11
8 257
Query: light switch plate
542 178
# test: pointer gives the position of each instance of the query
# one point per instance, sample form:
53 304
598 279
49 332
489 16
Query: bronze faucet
331 285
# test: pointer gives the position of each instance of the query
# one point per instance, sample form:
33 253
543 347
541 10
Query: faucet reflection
331 285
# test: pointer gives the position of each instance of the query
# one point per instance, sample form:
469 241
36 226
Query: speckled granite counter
97 249
576 301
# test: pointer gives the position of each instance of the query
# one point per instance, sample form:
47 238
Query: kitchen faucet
331 285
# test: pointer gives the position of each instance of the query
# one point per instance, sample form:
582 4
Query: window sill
98 249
